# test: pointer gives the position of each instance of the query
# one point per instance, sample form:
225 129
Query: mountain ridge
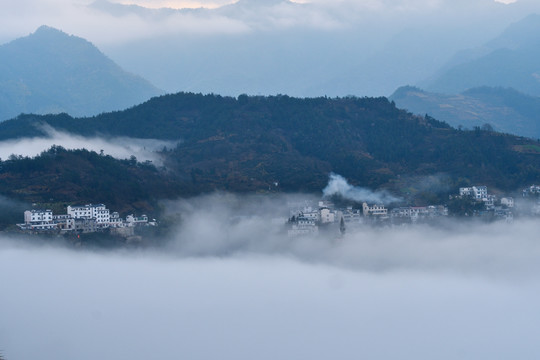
505 109
50 71
508 60
251 143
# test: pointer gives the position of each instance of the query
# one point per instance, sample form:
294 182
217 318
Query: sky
227 283
264 46
268 47
75 17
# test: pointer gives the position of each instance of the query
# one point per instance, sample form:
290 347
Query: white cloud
23 17
405 293
177 4
119 147
338 185
229 225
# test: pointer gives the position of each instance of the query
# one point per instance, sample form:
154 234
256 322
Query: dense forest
261 144
60 176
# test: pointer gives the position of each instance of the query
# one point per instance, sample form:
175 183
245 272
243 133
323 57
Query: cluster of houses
304 218
307 219
81 219
531 191
502 209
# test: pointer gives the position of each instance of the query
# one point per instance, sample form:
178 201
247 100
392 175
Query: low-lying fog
117 147
230 284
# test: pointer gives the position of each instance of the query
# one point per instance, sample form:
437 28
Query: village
82 219
307 218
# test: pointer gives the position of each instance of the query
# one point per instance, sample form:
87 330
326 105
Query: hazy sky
19 18
308 48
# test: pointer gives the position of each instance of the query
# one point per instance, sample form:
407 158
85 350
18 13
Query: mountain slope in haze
267 47
52 72
280 143
506 110
510 60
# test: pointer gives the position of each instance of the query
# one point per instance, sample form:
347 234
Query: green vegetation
264 144
504 109
59 177
532 148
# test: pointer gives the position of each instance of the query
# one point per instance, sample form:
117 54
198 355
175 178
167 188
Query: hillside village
306 218
82 219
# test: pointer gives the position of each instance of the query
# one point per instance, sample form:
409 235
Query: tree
342 226
487 127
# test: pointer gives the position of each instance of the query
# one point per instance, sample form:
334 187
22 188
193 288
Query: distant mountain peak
261 2
45 30
46 34
50 71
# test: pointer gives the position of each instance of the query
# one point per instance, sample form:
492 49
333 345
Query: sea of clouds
228 283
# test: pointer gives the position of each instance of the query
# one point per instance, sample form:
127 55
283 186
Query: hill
280 143
52 72
509 60
506 110
80 176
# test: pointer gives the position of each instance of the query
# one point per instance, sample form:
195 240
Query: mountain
52 72
281 143
510 60
265 47
506 110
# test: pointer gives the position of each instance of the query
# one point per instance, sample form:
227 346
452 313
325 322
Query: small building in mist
38 220
98 212
377 210
302 226
81 219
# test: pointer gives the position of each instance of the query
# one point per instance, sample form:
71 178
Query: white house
311 215
327 216
508 202
134 220
38 216
64 222
533 189
375 210
351 216
38 220
79 212
489 201
476 192
303 226
115 220
98 212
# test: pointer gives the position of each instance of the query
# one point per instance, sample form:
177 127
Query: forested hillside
281 143
505 110
80 176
